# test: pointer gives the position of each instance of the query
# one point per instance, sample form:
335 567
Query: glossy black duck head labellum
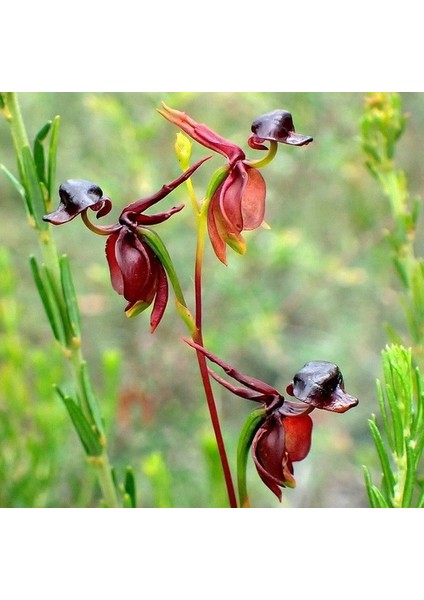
320 384
76 195
278 126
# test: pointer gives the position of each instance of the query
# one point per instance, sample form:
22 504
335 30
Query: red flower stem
197 337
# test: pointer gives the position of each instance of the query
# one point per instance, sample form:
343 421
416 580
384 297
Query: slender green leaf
49 302
396 419
375 497
410 477
383 411
34 194
39 158
88 400
54 138
388 478
70 296
17 185
130 487
88 437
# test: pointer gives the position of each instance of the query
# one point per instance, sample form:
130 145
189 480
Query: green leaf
70 297
250 427
39 159
130 487
54 138
410 477
375 497
48 299
34 194
388 477
88 400
16 184
88 437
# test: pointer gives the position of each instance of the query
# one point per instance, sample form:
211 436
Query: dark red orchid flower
238 204
284 436
137 272
276 126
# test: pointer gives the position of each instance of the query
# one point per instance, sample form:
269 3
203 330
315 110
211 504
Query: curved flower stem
262 162
197 336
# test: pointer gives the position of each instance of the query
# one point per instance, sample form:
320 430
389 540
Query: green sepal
16 184
217 178
249 429
70 296
159 248
89 438
34 194
130 487
39 158
137 308
48 298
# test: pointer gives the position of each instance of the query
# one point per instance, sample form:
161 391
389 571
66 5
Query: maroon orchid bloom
238 204
137 272
284 436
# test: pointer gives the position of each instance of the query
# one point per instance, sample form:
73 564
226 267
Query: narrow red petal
161 299
114 269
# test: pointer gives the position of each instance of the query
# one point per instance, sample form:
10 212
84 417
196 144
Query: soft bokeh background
318 285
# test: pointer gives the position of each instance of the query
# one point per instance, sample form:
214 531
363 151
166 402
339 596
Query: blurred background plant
319 285
398 429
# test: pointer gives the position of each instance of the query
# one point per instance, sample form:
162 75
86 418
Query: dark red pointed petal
141 205
161 299
250 382
203 134
114 269
147 220
245 393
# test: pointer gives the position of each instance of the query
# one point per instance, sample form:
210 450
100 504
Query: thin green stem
263 162
103 472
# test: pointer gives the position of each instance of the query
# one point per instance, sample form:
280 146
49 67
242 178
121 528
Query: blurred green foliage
318 286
